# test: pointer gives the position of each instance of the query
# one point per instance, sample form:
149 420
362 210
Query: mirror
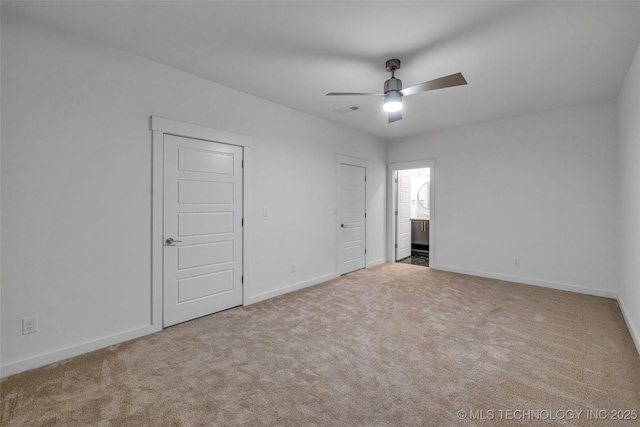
423 195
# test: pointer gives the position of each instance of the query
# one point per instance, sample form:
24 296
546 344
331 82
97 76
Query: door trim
159 127
392 196
352 161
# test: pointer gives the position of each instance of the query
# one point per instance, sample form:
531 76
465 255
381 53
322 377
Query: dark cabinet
420 232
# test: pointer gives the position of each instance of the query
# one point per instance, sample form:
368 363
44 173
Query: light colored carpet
393 345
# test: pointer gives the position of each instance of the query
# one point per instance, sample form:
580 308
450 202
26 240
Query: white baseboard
13 368
290 288
375 263
527 281
635 335
59 355
296 286
65 353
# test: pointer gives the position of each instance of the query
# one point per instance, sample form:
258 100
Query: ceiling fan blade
353 94
441 83
395 116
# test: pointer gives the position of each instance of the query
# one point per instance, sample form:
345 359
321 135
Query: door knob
171 241
343 226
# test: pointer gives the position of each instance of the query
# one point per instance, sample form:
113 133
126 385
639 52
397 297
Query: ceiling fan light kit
392 102
393 91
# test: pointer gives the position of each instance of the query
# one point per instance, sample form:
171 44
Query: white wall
541 188
76 188
629 136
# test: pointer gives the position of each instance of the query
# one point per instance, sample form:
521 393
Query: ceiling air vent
347 109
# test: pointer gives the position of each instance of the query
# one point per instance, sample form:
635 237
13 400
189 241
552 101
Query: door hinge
365 178
241 279
396 213
365 251
396 246
396 180
365 214
242 222
242 164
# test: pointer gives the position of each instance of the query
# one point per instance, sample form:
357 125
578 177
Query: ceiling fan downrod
393 84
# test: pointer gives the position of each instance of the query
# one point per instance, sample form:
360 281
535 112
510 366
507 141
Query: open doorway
411 206
412 216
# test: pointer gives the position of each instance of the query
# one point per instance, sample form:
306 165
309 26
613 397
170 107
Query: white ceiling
518 57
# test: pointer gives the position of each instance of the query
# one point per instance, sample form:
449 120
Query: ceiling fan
393 91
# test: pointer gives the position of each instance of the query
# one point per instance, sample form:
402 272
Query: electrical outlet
29 325
293 268
516 262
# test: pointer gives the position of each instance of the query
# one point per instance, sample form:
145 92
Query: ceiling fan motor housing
393 84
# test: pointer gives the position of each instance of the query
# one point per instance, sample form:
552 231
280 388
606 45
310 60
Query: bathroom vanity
420 234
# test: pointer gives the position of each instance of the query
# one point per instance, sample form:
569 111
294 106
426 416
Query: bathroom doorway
413 213
411 202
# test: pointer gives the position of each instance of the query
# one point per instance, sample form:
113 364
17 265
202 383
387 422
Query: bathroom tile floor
421 259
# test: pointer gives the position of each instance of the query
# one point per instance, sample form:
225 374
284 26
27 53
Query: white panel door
351 214
403 218
202 257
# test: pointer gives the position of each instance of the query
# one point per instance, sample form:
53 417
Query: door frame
159 127
352 161
392 198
